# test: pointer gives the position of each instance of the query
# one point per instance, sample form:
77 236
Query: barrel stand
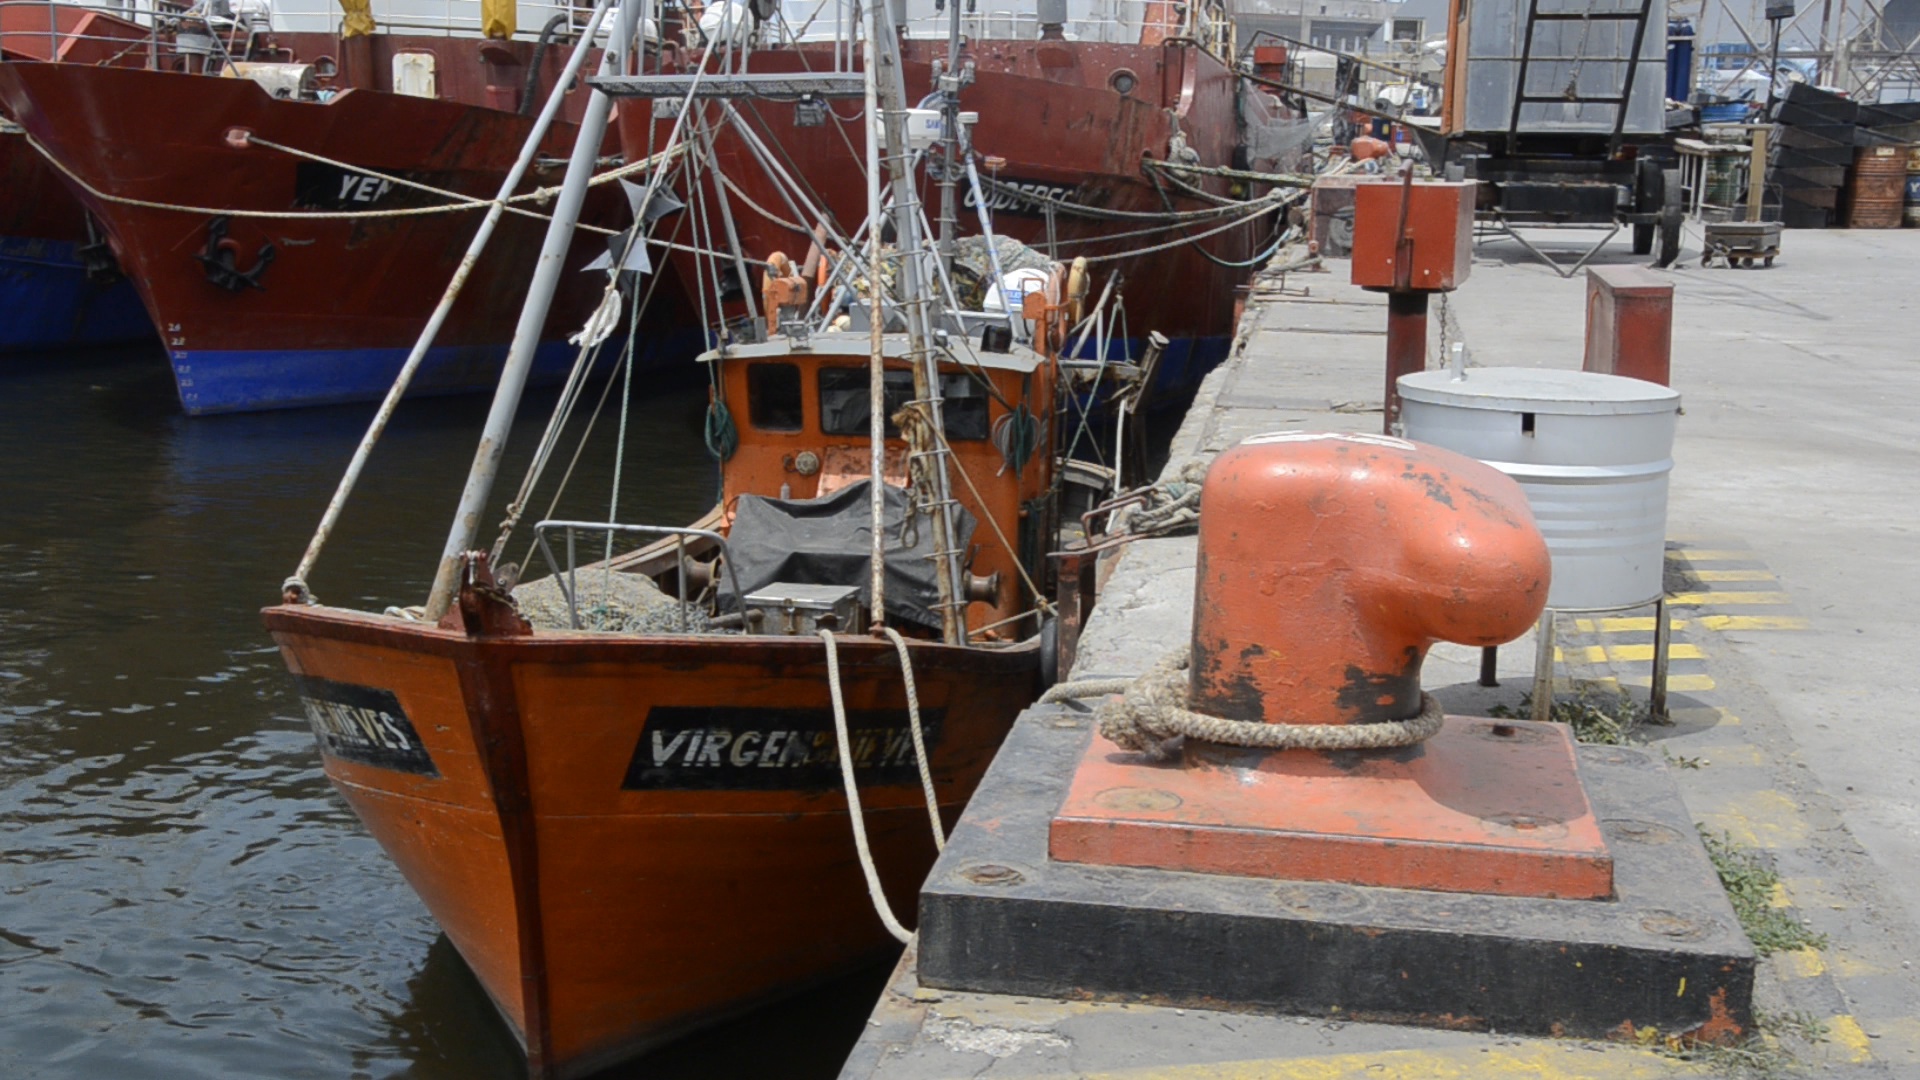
1543 658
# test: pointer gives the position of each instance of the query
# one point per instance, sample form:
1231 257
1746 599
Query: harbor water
181 893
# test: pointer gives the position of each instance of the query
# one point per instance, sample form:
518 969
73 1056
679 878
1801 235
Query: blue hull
48 302
1185 362
249 380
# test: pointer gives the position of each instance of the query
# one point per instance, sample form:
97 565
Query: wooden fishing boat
646 793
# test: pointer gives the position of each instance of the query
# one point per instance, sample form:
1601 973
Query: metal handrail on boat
568 580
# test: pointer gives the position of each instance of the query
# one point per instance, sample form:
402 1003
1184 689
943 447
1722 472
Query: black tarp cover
829 541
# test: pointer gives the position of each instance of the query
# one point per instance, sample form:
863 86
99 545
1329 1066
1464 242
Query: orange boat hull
628 837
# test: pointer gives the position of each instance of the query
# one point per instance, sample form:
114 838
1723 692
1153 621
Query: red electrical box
1439 225
1630 323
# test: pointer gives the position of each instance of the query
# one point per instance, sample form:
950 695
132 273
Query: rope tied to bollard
1151 711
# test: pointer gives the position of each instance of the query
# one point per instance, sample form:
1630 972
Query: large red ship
1119 145
303 275
58 284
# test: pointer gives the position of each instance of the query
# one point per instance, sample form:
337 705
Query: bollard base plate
998 915
1484 806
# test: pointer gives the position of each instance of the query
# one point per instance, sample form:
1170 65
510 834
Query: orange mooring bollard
1330 564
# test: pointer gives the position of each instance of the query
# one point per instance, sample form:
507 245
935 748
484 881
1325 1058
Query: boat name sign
318 186
364 725
1022 197
701 748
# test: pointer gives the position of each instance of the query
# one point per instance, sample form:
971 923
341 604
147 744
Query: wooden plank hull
628 837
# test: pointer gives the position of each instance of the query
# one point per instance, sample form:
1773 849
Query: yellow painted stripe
1753 622
1848 966
1777 896
1583 654
1712 555
1706 715
1897 1036
1677 651
1682 683
1642 624
1802 963
1846 1034
1744 755
1702 599
1762 819
1548 1062
1733 575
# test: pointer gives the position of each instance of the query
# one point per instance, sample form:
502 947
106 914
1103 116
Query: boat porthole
1123 81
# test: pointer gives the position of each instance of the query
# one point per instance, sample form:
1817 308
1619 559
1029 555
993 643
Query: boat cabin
801 411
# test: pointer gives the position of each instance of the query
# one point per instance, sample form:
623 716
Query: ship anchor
221 258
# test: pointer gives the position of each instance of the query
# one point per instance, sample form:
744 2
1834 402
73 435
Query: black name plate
364 725
724 748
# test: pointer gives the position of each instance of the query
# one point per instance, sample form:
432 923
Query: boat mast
533 317
295 588
915 290
949 84
876 362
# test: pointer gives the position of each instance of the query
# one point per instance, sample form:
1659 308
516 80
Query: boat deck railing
568 577
453 18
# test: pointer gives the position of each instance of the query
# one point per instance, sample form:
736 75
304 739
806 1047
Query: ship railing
193 32
20 25
451 18
568 578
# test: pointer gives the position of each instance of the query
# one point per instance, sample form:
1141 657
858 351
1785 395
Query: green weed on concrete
1597 714
1750 882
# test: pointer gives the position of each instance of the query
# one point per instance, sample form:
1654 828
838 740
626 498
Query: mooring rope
1151 711
919 737
854 813
461 203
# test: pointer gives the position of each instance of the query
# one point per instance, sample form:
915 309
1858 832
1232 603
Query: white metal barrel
1591 451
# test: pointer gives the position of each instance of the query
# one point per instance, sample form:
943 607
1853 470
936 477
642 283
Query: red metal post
1406 347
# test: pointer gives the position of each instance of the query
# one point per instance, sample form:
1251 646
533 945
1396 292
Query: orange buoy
1329 564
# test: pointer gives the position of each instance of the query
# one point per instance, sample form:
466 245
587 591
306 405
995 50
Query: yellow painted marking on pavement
1763 819
1712 555
1813 892
1700 599
1675 651
1586 654
1743 756
1752 622
1629 624
1691 684
1802 963
1704 715
1733 575
1581 1061
1849 966
1846 1034
1895 1037
1777 896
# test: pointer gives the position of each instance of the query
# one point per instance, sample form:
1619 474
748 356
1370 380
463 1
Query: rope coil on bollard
1151 711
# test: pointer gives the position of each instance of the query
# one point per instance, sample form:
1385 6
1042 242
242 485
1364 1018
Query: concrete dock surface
1793 575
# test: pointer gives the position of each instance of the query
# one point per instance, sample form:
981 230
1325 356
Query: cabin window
773 396
844 397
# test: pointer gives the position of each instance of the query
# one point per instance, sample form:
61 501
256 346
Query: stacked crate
1812 154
